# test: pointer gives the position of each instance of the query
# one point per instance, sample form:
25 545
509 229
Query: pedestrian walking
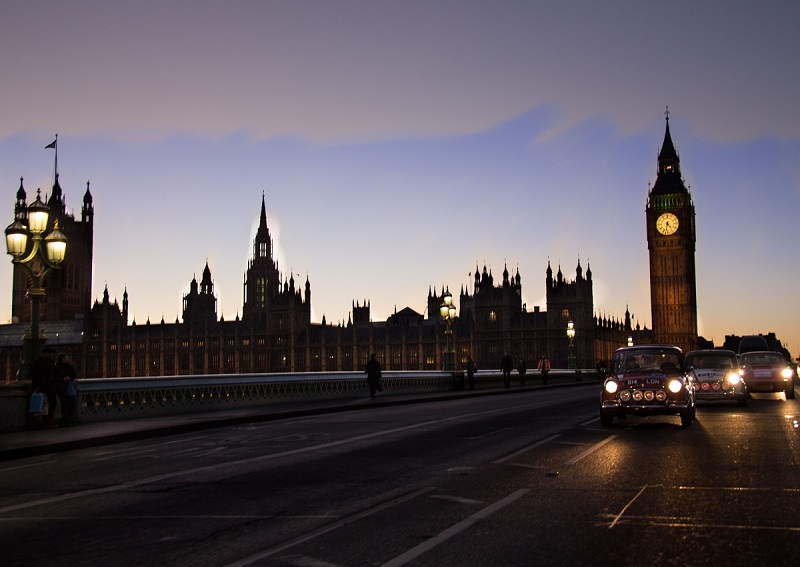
506 365
522 368
373 371
64 376
472 368
544 368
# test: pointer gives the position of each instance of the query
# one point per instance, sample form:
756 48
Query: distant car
752 343
767 371
647 380
716 375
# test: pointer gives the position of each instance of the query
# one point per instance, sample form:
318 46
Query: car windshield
711 360
762 359
647 359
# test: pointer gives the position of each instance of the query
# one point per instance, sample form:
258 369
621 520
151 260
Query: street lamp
46 253
571 335
448 312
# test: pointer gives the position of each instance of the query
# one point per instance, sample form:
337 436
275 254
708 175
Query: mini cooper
716 375
767 371
647 380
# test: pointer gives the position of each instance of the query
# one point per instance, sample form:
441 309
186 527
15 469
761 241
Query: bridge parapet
101 399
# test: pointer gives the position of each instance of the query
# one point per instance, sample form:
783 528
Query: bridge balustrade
105 399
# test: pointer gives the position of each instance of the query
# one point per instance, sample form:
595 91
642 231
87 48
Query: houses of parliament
275 332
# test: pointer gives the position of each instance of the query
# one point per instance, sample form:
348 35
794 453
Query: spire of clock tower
668 180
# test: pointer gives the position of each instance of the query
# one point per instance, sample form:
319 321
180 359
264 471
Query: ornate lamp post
46 253
571 335
448 312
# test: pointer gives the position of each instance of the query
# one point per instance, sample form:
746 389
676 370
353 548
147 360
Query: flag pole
54 145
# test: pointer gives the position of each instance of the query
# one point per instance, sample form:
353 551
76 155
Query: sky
401 144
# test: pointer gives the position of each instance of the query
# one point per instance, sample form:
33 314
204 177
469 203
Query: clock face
667 224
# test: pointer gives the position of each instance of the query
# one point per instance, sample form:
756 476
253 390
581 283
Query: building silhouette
671 243
275 332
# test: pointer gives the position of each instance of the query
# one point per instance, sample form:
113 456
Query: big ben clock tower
671 243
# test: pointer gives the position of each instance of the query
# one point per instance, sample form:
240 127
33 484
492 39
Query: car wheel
790 392
607 419
687 417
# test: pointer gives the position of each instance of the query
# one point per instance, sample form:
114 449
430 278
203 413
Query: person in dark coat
472 368
41 374
373 372
522 368
64 376
506 365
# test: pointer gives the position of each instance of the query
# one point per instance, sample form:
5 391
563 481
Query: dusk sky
400 144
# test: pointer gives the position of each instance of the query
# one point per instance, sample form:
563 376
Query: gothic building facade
275 332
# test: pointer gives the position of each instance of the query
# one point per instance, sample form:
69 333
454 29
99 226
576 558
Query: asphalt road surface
527 478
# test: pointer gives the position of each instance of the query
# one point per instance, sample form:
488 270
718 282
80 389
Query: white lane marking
495 432
590 450
26 466
454 530
456 499
148 448
524 466
526 449
321 531
628 505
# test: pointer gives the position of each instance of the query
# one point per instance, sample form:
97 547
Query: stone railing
125 398
107 399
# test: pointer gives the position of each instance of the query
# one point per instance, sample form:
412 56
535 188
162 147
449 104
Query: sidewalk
29 443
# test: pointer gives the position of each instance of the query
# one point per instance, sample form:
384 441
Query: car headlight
787 373
611 387
675 386
734 378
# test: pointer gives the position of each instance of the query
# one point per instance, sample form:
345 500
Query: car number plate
762 373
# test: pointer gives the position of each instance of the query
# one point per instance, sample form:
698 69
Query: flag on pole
52 144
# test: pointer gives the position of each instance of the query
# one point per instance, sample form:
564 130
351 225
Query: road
527 478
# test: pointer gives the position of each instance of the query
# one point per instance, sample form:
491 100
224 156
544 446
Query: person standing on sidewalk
373 371
64 376
506 365
522 368
544 368
42 381
472 368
